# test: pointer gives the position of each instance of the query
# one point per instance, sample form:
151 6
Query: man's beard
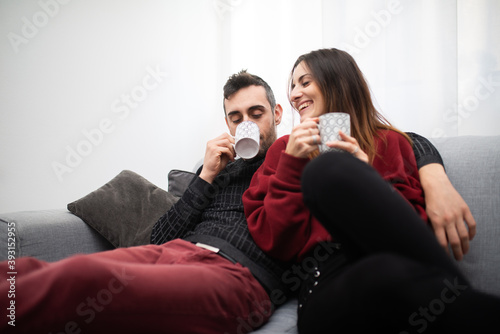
265 144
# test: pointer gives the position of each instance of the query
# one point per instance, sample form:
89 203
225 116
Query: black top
425 152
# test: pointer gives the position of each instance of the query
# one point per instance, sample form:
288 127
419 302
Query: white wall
137 84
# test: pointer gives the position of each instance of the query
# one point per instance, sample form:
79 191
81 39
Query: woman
390 274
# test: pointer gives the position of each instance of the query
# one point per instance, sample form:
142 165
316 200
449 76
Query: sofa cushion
283 320
125 209
178 181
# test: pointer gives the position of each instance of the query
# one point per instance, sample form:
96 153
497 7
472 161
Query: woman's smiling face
305 95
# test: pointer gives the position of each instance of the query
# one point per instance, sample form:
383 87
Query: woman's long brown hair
344 89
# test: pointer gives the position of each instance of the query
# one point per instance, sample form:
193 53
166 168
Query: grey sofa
472 163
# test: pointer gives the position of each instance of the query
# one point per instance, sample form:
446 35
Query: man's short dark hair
244 79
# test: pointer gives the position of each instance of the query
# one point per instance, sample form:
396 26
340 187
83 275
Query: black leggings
397 279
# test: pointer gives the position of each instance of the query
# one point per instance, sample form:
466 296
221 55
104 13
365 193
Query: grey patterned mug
329 126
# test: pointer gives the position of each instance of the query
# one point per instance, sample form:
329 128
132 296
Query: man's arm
447 210
184 215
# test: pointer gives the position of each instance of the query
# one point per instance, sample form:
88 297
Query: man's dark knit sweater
213 214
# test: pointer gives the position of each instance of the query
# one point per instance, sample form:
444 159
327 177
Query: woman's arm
277 218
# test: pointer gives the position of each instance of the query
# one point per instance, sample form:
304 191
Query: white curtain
89 88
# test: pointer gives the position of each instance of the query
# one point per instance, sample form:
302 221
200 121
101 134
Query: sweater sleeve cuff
199 193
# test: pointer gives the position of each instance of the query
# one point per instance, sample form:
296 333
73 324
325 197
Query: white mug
247 140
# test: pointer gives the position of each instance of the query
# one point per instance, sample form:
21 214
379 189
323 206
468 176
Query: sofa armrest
49 235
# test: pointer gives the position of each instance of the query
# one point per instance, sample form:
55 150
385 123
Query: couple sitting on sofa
204 273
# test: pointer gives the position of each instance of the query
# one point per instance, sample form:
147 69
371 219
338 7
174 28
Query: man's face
251 104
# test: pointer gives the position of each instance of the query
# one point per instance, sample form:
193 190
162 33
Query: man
203 273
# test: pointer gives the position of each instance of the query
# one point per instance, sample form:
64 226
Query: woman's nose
295 95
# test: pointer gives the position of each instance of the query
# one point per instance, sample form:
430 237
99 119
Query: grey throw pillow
125 209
